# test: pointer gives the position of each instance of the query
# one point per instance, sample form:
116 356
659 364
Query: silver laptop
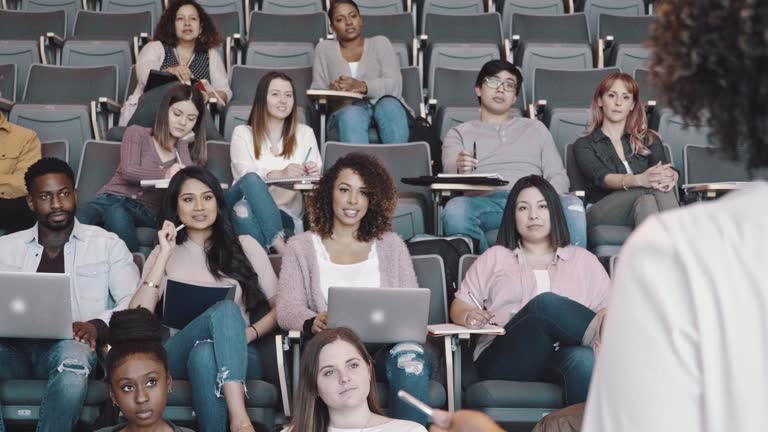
35 305
381 315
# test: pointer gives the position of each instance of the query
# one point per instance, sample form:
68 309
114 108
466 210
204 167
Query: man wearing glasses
499 143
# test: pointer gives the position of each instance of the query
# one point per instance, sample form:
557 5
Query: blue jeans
209 352
264 221
527 353
353 121
120 215
66 365
408 367
475 215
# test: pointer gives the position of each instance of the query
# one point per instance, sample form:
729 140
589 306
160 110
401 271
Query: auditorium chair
283 41
447 7
7 86
230 25
553 42
56 149
21 401
224 6
594 8
529 7
155 7
291 7
621 41
383 7
401 160
705 164
398 28
70 7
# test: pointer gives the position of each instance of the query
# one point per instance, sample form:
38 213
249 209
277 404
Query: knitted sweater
299 296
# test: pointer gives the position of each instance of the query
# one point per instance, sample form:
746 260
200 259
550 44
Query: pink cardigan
299 296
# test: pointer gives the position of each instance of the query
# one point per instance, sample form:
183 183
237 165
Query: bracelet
253 326
623 178
150 284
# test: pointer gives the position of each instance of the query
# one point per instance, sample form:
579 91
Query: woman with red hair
629 177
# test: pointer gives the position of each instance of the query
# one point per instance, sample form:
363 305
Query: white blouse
244 160
363 274
151 57
542 281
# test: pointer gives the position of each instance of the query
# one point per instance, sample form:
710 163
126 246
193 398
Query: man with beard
102 269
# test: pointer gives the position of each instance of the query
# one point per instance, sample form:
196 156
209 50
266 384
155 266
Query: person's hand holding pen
310 168
466 162
478 317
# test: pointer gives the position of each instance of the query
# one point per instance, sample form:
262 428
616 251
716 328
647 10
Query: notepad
159 183
473 175
291 180
450 329
184 301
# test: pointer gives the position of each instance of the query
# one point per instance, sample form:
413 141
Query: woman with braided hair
137 371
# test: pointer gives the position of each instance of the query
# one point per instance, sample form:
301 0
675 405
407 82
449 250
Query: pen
179 228
306 157
477 303
178 157
474 152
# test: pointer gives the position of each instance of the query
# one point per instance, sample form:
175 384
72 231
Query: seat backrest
70 84
571 28
448 7
567 88
647 91
112 24
370 8
98 164
57 149
245 79
227 23
624 29
430 273
705 164
412 88
221 6
401 160
465 29
594 8
267 27
155 7
465 262
396 27
69 6
530 7
31 25
456 88
8 82
219 161
291 7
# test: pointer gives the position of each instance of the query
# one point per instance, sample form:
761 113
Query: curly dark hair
711 57
165 31
382 197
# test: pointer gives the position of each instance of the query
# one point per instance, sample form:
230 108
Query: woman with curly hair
185 45
351 244
629 176
685 346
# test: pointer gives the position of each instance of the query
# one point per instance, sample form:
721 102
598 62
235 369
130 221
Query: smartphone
421 406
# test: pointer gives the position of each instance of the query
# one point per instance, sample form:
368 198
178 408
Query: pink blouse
501 279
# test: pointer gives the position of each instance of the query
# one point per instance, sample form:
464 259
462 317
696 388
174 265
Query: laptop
35 305
184 301
381 315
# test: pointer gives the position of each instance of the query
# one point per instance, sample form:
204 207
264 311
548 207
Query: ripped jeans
66 365
209 352
406 366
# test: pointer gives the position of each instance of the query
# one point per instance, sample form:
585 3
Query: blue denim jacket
103 270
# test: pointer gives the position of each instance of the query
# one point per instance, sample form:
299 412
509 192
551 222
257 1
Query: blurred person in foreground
686 343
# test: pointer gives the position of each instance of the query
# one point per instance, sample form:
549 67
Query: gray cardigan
378 67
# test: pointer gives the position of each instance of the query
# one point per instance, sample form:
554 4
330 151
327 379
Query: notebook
35 305
185 301
381 315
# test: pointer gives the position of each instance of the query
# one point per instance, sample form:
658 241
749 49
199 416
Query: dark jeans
16 215
527 353
120 215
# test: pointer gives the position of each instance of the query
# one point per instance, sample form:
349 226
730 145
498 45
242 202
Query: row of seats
281 41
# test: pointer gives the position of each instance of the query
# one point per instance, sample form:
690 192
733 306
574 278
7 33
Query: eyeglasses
508 86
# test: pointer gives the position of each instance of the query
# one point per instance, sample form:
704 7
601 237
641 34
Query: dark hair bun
134 325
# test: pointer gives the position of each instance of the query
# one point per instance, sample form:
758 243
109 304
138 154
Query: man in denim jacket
102 269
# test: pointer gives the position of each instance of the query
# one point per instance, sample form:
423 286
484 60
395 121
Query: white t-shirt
685 341
626 165
391 426
353 68
363 274
244 161
542 281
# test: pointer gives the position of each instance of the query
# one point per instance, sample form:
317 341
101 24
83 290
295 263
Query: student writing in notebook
122 205
103 278
541 290
272 145
217 350
351 245
137 372
337 388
